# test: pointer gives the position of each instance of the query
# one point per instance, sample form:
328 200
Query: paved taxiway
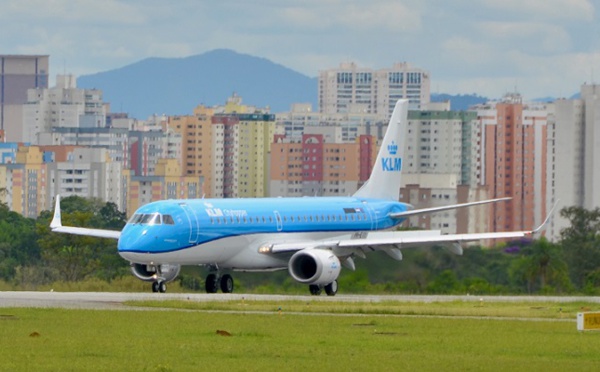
113 300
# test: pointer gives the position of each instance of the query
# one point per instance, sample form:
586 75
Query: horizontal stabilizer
415 212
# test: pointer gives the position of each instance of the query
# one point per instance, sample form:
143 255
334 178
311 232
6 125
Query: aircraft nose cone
134 238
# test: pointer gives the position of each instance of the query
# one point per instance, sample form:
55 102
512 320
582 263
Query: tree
18 242
581 243
541 262
77 257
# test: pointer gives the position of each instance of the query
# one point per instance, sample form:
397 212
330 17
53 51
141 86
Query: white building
88 173
64 106
574 155
336 127
353 89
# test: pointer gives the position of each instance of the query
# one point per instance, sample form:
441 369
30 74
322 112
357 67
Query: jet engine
314 266
153 273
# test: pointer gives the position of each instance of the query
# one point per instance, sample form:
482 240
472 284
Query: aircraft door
372 215
278 220
193 221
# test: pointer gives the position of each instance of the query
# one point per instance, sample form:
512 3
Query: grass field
350 339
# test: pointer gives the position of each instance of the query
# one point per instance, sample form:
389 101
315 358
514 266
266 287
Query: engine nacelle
153 273
314 266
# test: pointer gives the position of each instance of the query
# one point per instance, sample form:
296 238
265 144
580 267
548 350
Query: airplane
311 237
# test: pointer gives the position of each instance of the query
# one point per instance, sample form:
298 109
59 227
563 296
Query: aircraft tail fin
384 182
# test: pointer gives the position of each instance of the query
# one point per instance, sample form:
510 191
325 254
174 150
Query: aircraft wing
56 226
393 241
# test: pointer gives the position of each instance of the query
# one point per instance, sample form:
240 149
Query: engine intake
152 273
314 266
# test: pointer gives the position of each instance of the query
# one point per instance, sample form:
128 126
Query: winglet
539 228
56 220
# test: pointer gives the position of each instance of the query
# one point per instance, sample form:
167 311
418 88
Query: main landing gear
213 283
159 286
330 289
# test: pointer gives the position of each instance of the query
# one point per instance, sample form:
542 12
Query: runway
115 301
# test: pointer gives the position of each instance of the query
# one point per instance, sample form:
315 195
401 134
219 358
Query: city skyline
540 48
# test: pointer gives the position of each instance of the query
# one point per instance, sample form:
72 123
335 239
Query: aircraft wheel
226 283
154 287
162 287
331 288
314 289
211 284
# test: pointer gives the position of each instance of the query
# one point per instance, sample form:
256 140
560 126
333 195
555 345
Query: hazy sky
543 47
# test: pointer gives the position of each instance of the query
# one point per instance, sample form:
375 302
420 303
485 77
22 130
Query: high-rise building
86 172
574 154
24 182
197 143
313 167
441 167
353 89
241 149
513 161
227 147
62 106
344 127
18 73
166 183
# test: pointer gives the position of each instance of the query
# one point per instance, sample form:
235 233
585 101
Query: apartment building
347 126
85 172
198 142
315 167
24 182
513 161
573 154
18 73
441 167
166 183
64 106
353 89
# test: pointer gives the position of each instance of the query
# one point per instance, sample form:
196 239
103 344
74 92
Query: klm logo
392 163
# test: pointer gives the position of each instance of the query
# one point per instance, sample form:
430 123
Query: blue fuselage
176 225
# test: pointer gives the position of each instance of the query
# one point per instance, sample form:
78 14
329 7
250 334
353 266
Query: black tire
331 288
162 287
154 287
211 284
226 283
314 289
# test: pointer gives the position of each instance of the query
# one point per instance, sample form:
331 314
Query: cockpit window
147 219
168 220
